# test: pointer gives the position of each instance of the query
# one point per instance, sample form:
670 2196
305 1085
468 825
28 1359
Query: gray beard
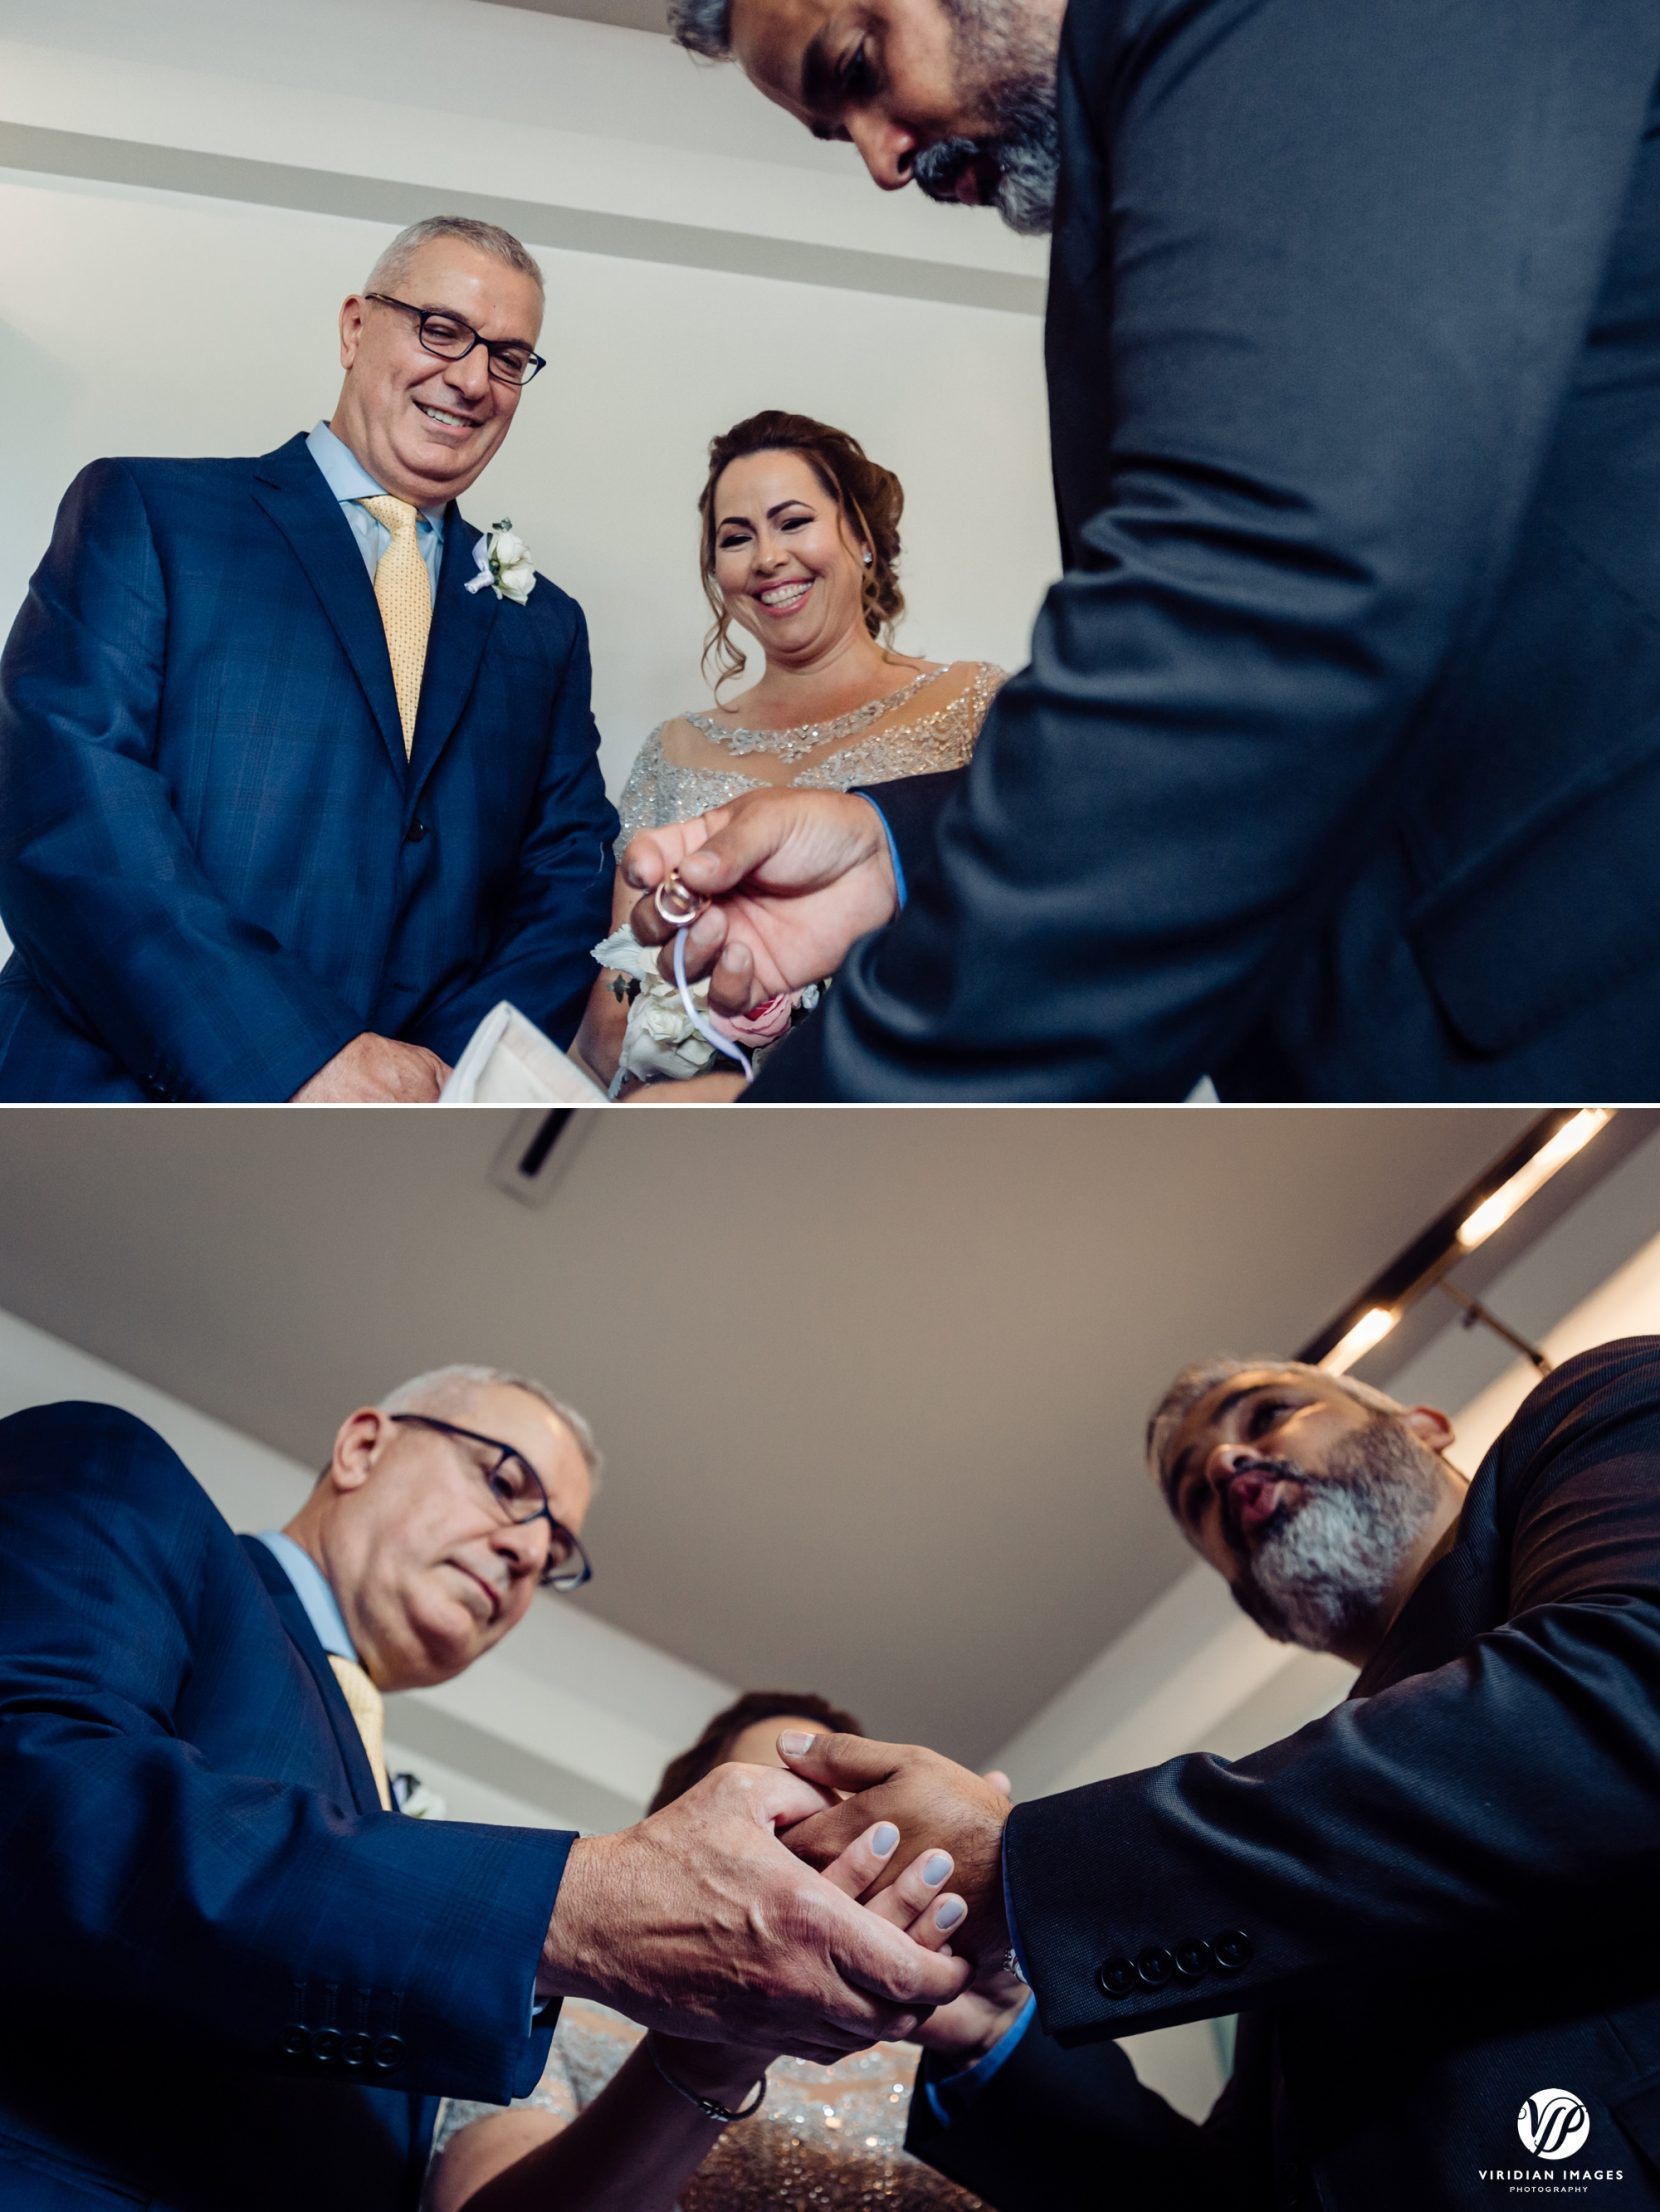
1324 1575
1014 77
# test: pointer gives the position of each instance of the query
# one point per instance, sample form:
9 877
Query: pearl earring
867 556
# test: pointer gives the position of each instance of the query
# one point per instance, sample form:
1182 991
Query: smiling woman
799 546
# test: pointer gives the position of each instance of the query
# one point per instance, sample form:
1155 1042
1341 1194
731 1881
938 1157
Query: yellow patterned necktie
404 597
369 1712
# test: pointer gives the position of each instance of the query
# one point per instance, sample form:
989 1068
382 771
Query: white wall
162 290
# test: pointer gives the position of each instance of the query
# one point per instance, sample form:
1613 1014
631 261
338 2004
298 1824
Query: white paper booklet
509 1062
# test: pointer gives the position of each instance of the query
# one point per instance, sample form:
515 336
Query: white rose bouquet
660 1039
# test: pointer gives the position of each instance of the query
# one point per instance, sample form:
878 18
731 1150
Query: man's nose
523 1544
1224 1463
886 150
470 376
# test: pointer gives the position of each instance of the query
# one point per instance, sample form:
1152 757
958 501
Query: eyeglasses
517 1492
452 340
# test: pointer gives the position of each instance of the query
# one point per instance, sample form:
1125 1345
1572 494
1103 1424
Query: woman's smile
783 597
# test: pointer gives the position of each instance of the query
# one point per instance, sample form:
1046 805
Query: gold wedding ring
678 905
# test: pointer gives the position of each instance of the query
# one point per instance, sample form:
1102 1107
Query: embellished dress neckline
802 738
927 725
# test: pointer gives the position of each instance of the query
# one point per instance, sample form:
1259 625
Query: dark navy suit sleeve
99 887
562 903
134 1874
1498 1806
1322 273
1072 2130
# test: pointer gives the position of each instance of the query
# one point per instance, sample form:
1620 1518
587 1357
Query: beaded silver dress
827 2139
929 724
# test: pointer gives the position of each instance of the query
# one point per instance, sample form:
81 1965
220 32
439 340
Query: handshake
801 1908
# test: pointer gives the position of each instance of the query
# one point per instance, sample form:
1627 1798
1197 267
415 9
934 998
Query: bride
800 547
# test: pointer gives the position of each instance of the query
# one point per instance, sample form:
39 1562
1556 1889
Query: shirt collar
348 479
311 1587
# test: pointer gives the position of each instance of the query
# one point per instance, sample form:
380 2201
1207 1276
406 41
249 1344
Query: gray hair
393 266
441 1387
1201 1376
702 27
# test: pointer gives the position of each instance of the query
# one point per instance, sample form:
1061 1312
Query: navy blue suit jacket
1428 1906
215 863
1336 770
231 1979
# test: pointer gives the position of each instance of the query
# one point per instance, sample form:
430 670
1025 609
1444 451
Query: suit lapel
462 621
303 1637
289 486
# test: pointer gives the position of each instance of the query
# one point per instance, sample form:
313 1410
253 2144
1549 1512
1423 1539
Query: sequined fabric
908 735
828 2138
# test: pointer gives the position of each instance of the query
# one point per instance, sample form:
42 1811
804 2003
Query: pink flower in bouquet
762 1025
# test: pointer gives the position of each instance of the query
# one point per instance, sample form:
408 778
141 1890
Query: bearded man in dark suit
293 790
1336 769
1432 1909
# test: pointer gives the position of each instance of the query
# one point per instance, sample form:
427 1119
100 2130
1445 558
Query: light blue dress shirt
311 1587
350 481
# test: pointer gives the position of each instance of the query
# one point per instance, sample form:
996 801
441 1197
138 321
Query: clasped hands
759 1912
794 879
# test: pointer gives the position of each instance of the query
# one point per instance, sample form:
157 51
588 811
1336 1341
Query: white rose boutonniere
504 564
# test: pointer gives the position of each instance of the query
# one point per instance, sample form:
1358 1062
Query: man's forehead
1232 1390
770 40
448 273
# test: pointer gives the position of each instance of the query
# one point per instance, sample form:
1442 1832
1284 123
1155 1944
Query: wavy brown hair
729 1724
870 499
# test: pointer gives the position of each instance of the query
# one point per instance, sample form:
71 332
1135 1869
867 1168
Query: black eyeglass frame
579 1568
493 347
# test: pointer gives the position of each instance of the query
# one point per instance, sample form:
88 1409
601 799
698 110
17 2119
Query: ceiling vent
537 1152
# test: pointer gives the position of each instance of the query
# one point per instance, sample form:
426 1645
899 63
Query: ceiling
631 15
871 1384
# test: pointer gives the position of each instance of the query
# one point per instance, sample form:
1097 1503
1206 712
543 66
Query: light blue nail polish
883 1837
950 1913
938 1867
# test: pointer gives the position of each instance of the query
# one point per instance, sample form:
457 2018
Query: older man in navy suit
286 806
235 1975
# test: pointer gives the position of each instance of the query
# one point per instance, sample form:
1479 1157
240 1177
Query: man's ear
351 329
357 1445
1430 1426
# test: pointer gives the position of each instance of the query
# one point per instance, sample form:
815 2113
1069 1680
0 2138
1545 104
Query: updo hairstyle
723 1731
869 497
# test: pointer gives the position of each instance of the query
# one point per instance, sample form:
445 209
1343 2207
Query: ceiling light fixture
1573 1136
1372 1327
1467 1223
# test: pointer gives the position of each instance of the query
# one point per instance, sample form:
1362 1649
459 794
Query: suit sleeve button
295 2043
388 2054
1117 1977
1232 1949
1154 1967
355 2051
1193 1958
326 2046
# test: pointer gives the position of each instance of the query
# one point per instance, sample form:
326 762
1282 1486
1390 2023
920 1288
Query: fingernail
937 1868
795 1743
883 1837
633 878
949 1911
